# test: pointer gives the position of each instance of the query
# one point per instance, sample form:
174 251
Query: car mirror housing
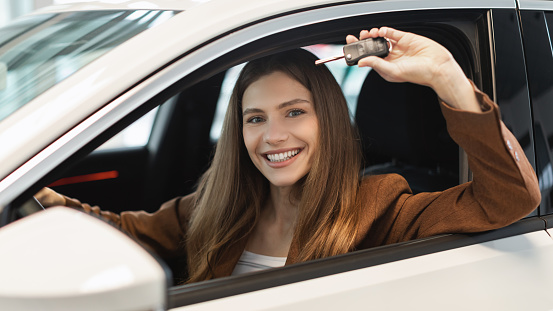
64 259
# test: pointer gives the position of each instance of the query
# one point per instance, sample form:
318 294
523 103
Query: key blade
328 59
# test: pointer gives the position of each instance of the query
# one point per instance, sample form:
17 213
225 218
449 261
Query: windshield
39 51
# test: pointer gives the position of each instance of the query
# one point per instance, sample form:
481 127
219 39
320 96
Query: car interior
404 132
401 126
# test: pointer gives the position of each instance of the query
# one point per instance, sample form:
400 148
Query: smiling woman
282 103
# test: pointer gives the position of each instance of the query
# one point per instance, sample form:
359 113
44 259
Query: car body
181 62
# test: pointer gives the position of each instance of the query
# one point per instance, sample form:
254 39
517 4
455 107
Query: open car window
180 144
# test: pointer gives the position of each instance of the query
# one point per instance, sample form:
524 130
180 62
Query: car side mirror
64 259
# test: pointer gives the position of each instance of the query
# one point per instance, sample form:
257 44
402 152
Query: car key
355 51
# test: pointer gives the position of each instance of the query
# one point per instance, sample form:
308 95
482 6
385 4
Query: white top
250 262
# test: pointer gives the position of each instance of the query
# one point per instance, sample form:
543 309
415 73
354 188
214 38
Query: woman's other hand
420 60
48 197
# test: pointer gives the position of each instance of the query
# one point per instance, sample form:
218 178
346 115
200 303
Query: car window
38 52
183 142
537 26
135 135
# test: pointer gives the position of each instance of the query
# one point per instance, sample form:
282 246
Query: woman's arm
162 231
504 186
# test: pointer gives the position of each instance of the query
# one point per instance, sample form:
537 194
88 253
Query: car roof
77 6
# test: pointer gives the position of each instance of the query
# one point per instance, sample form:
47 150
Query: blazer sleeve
163 231
504 188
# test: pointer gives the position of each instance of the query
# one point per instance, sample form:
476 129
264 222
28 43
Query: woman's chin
283 182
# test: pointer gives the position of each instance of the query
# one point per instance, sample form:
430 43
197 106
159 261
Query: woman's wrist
453 87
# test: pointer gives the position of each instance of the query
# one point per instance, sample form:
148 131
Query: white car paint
94 267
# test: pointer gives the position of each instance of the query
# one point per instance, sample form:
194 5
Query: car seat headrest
402 122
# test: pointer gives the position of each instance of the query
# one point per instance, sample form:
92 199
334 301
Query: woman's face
280 128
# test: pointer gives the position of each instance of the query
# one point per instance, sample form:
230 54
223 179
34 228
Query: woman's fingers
364 34
351 39
391 33
48 197
386 69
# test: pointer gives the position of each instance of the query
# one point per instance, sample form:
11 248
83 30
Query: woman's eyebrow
251 110
292 102
281 106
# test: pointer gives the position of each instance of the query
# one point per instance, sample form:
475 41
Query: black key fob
355 51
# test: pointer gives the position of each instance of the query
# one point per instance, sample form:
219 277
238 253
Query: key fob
355 51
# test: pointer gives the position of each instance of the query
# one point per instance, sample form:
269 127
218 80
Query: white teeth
280 157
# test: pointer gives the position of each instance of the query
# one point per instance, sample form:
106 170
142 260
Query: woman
284 184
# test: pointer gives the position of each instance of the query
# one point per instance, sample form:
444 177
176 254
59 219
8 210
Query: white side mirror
63 259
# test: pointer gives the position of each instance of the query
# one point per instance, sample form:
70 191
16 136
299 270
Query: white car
74 76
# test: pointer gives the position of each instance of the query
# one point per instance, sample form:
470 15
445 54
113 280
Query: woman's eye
295 113
254 120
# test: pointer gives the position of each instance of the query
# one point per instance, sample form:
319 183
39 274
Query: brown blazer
504 189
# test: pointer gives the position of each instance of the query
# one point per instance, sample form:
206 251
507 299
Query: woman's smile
279 159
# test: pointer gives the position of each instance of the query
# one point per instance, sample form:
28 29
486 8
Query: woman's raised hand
48 197
420 60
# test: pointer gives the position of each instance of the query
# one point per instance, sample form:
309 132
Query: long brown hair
232 192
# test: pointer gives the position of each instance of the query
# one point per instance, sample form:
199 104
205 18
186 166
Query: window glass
40 51
540 63
135 135
350 79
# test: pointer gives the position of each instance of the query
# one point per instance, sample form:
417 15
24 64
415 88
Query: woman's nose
275 133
